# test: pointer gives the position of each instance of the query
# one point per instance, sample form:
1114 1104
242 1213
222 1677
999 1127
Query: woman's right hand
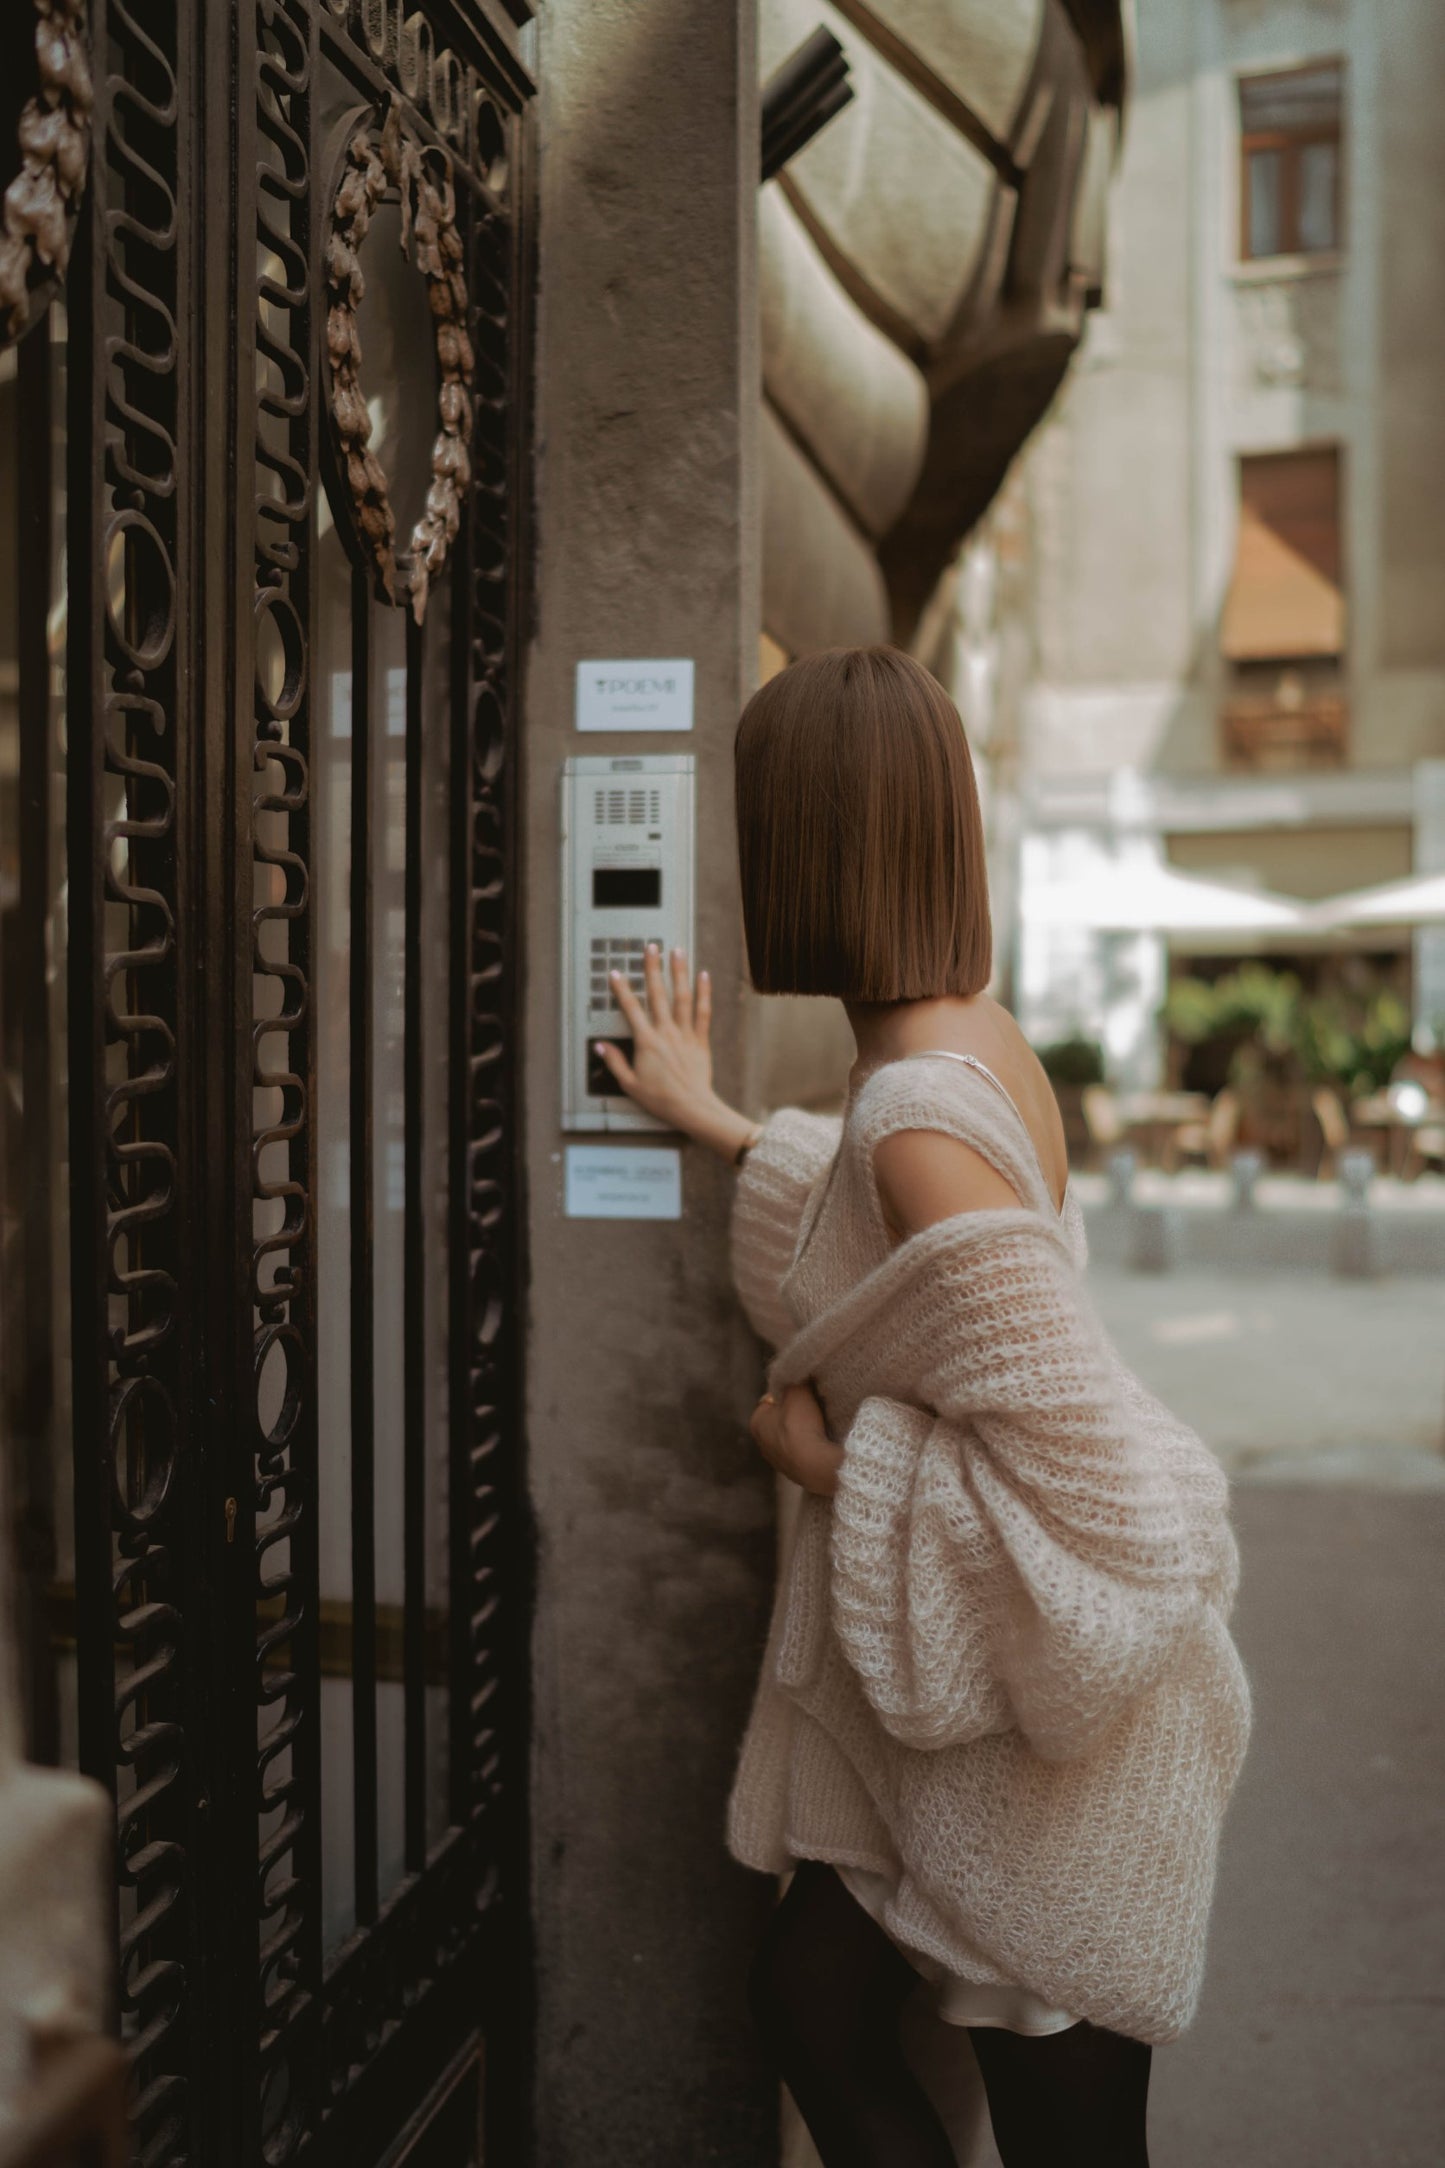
670 1073
792 1437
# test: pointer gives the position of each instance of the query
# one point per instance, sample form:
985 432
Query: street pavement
1320 2041
1293 1377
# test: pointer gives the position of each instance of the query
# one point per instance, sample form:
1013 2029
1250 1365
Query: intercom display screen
626 886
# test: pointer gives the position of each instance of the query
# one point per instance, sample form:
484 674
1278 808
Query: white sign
624 1181
634 695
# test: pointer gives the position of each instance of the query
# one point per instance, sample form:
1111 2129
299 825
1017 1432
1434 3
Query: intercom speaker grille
637 807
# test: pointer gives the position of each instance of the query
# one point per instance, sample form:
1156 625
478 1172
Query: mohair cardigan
999 1670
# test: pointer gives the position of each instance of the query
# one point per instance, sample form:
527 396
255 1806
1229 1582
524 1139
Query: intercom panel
627 879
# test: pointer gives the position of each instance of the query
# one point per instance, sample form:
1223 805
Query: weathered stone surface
821 581
858 403
919 248
982 50
652 1508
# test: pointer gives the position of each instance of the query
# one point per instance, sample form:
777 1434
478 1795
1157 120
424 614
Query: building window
1289 136
1282 631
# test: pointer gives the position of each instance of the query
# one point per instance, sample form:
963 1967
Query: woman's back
982 1029
845 1231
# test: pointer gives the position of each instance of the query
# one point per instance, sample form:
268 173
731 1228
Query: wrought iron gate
281 577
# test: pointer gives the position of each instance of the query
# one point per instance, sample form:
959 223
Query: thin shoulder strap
973 1062
1010 1147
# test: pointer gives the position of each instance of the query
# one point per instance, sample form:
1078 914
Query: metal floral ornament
40 206
423 179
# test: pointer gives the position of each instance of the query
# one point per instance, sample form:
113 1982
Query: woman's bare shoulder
924 1175
1022 1073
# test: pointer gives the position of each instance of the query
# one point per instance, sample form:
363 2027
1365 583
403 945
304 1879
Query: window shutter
1285 600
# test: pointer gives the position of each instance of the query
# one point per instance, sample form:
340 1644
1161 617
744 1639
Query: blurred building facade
1234 529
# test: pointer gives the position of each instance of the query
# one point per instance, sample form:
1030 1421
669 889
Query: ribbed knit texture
999 1670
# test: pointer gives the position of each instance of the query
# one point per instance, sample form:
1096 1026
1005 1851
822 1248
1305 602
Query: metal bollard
1123 1166
1155 1238
1353 1245
1245 1169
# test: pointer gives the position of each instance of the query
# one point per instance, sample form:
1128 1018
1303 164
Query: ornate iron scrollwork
376 162
40 206
283 1260
130 1076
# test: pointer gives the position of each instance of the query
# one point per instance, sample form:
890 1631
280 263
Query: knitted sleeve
1015 1540
773 1186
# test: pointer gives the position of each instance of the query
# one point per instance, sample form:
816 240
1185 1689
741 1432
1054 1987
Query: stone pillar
653 1512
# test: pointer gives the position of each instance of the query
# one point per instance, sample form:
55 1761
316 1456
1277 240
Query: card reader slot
600 1080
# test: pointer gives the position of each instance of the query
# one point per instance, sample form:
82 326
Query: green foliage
1354 1043
1352 1040
1253 1002
1075 1060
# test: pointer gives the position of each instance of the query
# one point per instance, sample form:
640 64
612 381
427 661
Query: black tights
827 1989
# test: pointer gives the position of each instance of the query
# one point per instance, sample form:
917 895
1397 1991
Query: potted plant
1072 1064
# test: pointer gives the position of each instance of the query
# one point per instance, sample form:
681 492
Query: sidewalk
1319 2040
1293 1377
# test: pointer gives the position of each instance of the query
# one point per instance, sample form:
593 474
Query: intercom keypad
625 956
627 879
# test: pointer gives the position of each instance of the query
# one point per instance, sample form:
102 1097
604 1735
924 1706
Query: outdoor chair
1334 1120
1427 1149
1103 1121
1211 1140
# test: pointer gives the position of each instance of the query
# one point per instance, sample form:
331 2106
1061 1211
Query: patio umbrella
1419 901
1154 898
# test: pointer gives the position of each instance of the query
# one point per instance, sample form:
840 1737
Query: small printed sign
634 695
623 1181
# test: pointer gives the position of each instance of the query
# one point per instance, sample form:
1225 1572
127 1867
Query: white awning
1154 898
1420 901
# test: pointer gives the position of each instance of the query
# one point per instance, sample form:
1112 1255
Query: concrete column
653 1512
1430 858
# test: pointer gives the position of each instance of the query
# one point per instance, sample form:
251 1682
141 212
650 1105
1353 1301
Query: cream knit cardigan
998 1670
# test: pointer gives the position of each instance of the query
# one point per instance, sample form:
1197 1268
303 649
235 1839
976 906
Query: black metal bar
221 587
511 2008
800 96
459 1367
31 1382
282 2101
131 1074
85 435
808 75
363 1293
413 1278
802 127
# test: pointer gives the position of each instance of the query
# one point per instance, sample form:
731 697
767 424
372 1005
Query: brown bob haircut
860 840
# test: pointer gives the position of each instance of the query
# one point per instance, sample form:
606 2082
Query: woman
1000 1713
